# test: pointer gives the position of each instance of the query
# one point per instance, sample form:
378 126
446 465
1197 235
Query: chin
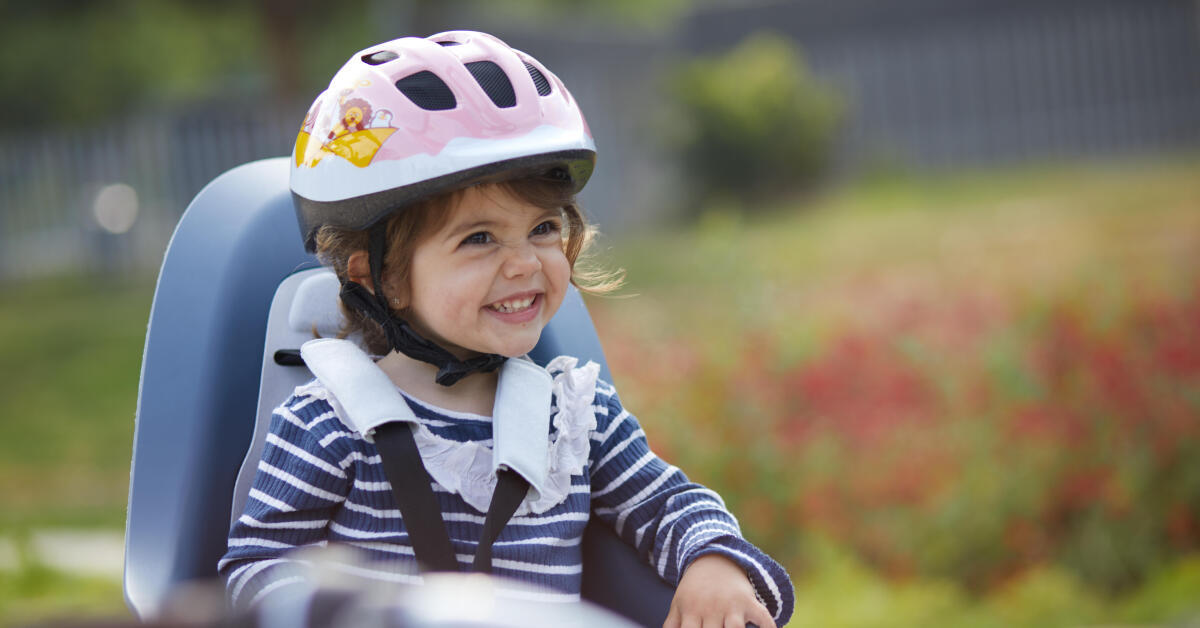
508 349
518 350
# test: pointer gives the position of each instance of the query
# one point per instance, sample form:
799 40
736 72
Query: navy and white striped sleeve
301 479
655 508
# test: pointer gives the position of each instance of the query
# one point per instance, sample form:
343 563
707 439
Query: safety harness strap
510 490
412 488
419 509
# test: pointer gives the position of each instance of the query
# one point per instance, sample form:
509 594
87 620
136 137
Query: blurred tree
754 124
280 26
68 62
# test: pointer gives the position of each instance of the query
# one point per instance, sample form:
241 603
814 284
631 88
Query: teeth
512 306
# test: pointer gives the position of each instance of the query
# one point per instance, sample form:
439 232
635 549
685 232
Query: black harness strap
419 508
510 490
411 485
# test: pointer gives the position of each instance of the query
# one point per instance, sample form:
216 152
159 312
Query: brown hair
408 228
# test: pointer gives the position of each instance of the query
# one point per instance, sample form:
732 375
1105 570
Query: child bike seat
236 297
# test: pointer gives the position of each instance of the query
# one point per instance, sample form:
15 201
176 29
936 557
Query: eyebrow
471 226
482 225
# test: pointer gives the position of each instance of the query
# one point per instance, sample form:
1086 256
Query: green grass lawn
71 351
1039 230
35 594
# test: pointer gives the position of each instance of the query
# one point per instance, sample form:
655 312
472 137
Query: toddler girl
437 177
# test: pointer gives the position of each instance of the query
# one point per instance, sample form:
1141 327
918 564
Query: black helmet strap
400 335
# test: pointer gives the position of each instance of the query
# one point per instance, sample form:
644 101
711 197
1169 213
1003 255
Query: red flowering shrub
963 429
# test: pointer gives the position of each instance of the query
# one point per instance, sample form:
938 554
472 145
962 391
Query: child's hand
714 592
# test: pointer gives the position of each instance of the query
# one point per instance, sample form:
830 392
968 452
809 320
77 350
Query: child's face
491 278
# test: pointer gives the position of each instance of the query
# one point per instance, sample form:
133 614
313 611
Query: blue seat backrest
199 393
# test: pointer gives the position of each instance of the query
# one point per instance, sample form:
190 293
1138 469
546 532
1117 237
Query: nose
521 260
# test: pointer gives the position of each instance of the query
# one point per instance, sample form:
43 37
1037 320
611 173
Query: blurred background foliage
73 63
70 63
754 125
987 386
943 383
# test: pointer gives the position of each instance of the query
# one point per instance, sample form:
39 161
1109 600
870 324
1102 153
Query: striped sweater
319 483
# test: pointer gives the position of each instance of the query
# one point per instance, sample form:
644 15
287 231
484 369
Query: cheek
457 295
406 289
559 267
439 311
558 275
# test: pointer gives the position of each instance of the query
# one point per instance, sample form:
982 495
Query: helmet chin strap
400 335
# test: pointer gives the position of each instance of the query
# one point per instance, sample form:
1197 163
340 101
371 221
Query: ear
358 270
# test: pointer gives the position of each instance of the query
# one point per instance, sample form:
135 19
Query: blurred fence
975 82
58 211
53 208
928 83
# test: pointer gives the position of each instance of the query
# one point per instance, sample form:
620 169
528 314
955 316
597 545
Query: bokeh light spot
116 208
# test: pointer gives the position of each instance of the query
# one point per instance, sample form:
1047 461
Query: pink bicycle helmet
413 117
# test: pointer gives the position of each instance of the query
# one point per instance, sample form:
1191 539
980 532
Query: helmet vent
376 58
494 82
449 43
427 91
539 80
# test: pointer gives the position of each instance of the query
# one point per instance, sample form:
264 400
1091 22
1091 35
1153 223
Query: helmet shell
413 117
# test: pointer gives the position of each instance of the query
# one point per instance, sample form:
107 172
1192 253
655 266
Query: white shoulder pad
521 421
364 391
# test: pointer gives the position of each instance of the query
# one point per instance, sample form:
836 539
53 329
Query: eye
479 237
546 228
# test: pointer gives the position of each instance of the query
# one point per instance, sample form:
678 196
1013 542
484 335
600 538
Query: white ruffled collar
467 468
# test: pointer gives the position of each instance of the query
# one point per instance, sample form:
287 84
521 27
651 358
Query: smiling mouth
513 305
